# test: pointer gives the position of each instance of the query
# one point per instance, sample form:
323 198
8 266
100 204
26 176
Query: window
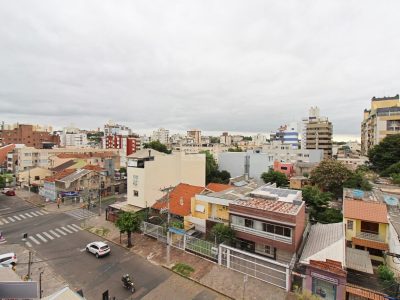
370 227
37 178
268 250
136 193
287 232
350 224
200 208
248 223
279 230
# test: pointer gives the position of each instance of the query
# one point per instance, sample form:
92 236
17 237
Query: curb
162 265
198 282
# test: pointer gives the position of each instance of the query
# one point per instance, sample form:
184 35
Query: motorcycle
127 283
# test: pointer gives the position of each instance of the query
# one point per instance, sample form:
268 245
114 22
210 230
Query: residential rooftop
365 210
270 205
273 193
234 192
360 195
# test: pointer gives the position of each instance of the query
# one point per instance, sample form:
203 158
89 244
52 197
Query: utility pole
29 265
40 283
99 194
168 189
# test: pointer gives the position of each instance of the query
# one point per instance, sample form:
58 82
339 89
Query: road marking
60 231
4 208
82 250
33 213
34 240
11 219
27 214
39 213
54 233
44 212
48 235
76 226
22 216
5 221
16 217
42 238
28 244
66 229
72 228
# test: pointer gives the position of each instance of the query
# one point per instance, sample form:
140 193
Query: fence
256 266
155 231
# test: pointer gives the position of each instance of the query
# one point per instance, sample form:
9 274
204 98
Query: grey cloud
215 65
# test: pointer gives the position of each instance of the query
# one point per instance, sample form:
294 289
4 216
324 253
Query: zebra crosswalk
80 214
20 216
52 234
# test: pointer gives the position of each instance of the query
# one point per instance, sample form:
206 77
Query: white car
98 248
8 259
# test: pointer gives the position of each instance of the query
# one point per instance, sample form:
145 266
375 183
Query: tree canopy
237 149
318 206
222 233
357 180
128 222
158 146
386 153
275 177
330 175
212 172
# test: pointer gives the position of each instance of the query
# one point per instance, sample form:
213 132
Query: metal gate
155 231
256 266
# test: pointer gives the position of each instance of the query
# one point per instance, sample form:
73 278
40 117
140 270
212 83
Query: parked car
98 248
8 259
5 190
10 193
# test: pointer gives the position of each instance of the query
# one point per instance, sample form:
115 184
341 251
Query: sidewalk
225 281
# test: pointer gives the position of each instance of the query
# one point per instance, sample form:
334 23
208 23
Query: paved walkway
225 281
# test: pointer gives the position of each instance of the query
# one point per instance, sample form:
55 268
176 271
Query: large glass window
276 229
248 223
324 289
370 227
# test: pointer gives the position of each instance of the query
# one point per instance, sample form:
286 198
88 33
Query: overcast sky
243 66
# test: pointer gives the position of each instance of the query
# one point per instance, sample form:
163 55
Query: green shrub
183 269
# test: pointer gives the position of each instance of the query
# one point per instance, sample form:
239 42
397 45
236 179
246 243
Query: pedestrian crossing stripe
80 214
22 216
45 237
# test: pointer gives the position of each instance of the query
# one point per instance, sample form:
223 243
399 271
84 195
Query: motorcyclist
127 282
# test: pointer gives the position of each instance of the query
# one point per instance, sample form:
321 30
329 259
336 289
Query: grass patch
183 269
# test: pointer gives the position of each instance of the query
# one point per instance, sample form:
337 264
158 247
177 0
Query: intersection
58 239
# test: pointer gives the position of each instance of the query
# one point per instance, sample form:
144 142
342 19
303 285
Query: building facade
287 154
150 171
73 137
382 119
318 133
161 135
31 135
195 134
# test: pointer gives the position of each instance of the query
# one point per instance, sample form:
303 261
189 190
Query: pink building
285 168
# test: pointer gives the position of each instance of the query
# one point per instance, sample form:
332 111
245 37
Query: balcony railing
264 234
369 236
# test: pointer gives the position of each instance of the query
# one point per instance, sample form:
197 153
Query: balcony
370 240
264 234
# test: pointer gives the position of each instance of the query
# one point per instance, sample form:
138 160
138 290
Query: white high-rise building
161 135
73 137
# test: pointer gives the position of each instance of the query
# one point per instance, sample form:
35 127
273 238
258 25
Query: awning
124 206
358 260
370 244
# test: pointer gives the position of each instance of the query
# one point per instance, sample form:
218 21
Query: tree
158 146
2 182
222 233
330 175
386 153
214 140
122 170
275 177
212 172
316 201
330 215
357 181
392 169
247 138
128 222
237 149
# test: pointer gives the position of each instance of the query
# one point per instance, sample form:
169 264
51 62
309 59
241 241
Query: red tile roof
368 294
217 187
365 210
93 168
59 175
86 155
329 265
181 191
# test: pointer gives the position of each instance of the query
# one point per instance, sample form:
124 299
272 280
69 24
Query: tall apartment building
31 135
225 139
126 145
161 135
195 134
318 132
287 134
73 137
112 128
382 119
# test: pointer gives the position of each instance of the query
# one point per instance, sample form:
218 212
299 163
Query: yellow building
211 206
367 226
382 119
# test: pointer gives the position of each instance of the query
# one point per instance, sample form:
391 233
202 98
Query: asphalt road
57 239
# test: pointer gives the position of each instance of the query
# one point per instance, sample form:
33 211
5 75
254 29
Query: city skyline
225 66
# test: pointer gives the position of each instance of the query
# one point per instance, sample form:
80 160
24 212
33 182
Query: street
57 239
